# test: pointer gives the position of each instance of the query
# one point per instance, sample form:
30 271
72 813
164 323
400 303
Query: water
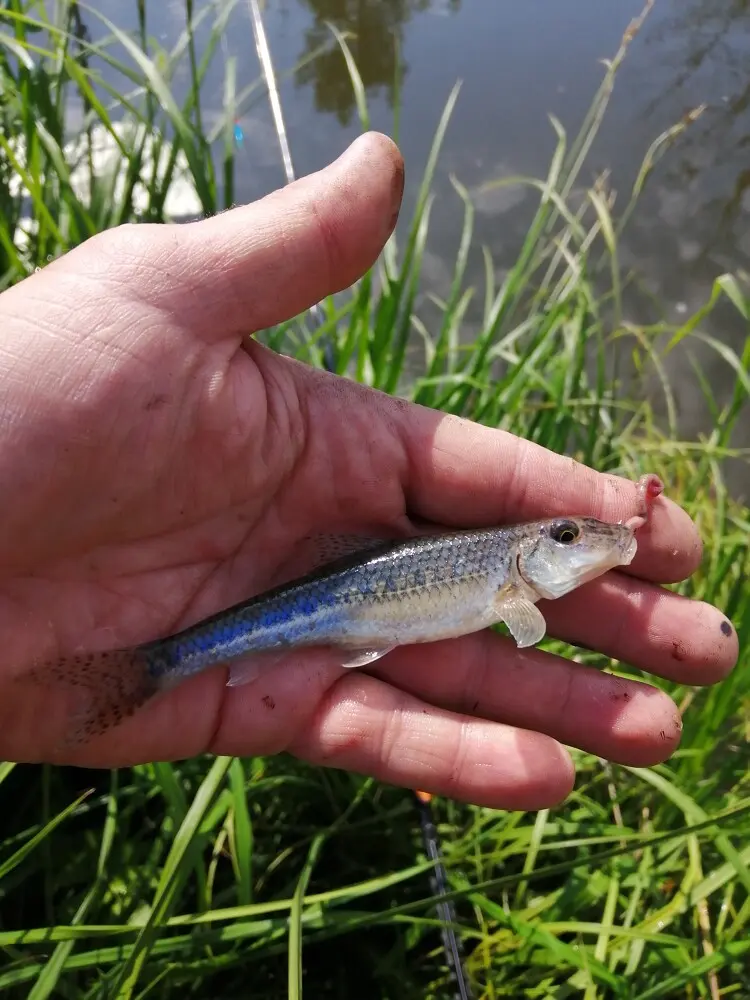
520 62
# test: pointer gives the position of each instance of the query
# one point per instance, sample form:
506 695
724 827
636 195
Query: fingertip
670 548
647 728
502 767
551 779
261 264
648 626
712 650
510 769
377 160
356 203
669 542
730 645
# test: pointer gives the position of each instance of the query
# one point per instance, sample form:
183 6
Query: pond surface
519 63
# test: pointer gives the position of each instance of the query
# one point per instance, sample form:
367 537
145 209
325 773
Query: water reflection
704 47
378 27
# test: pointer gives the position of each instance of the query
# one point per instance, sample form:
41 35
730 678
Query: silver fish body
398 593
412 591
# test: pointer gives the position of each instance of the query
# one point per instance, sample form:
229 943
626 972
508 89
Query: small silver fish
365 604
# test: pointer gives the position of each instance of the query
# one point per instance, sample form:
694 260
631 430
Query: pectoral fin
524 619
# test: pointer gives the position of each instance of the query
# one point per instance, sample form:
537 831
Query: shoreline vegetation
227 877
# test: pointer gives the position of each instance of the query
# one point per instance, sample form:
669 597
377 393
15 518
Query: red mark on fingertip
653 487
650 487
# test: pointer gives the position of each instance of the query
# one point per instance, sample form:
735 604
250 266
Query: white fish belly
425 614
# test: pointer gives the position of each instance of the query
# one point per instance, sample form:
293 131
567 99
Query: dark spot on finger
268 702
726 628
678 653
156 401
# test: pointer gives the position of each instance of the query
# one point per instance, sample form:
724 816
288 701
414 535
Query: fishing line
452 945
264 56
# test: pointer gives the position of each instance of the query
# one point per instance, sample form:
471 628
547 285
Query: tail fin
106 687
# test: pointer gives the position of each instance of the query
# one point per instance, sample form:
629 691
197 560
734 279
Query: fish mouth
621 555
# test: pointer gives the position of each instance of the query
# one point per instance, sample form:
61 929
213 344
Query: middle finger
485 675
648 626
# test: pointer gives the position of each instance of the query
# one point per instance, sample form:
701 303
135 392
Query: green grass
265 877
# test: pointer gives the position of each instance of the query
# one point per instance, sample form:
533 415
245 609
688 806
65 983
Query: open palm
158 465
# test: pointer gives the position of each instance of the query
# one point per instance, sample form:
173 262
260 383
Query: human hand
158 465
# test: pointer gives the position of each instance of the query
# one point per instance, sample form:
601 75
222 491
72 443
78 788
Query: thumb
264 263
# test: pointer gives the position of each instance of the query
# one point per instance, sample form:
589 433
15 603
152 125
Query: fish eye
564 532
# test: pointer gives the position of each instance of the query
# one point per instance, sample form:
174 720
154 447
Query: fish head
558 555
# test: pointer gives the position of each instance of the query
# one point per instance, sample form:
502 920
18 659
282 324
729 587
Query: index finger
464 473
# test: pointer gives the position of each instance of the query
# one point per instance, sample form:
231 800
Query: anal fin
362 657
251 667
